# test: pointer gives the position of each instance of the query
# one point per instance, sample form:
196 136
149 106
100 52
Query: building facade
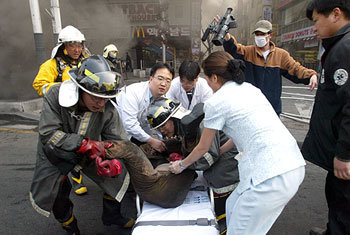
296 32
152 24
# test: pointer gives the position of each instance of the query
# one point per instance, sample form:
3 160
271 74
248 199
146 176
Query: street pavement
18 135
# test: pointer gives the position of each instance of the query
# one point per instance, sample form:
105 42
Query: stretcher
195 216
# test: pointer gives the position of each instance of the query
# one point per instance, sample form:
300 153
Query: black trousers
338 200
63 207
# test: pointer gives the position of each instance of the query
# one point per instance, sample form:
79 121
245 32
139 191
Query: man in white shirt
134 101
189 89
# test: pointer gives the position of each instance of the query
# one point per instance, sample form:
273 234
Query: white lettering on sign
141 11
176 31
298 34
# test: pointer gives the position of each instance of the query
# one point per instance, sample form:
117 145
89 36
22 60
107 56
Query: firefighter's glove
108 168
175 157
93 149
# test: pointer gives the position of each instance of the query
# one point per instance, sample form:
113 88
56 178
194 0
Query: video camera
221 28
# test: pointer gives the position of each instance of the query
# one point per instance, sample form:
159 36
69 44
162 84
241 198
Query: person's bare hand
341 169
313 82
175 168
156 144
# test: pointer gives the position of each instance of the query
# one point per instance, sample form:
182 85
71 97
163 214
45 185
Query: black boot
220 202
71 226
111 213
77 183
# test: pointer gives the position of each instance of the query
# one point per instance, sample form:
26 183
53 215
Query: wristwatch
181 166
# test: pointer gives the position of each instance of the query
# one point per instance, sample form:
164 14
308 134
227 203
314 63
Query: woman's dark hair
225 66
160 65
325 7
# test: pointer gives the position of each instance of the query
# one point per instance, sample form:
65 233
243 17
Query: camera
221 28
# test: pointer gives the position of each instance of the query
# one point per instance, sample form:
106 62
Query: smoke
17 57
211 8
102 24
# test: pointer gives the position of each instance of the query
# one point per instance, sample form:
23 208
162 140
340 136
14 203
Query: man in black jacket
327 143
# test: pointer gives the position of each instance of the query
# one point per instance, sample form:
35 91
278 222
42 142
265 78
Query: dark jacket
266 75
65 128
220 171
329 133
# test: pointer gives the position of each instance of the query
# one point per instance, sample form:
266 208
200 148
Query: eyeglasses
75 45
161 78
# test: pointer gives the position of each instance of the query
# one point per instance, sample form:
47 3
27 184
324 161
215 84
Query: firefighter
110 53
75 115
68 52
220 171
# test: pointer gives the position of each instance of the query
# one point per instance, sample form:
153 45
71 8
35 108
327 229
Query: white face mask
112 54
260 41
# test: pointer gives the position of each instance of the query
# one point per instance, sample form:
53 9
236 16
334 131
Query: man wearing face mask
266 64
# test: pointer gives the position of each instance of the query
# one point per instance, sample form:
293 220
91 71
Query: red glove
93 148
108 168
175 157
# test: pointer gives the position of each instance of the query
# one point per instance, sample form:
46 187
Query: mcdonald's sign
138 32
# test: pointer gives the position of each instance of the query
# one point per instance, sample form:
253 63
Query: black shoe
317 231
111 214
78 186
122 222
71 228
222 225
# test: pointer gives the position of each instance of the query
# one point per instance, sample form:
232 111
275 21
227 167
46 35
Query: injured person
182 129
154 185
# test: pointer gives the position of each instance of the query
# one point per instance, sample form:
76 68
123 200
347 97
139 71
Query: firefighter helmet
94 76
162 109
68 34
110 51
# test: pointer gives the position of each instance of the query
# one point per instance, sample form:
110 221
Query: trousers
255 210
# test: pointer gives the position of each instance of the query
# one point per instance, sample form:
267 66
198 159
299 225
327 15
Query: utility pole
56 19
164 26
38 31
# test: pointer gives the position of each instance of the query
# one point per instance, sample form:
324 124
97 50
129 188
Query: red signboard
283 3
298 34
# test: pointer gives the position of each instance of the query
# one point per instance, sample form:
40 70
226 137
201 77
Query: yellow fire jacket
47 75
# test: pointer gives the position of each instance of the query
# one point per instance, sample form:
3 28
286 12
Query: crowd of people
226 124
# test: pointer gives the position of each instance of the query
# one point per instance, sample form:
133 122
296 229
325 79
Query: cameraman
266 63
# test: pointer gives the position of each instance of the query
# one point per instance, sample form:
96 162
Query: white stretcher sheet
196 205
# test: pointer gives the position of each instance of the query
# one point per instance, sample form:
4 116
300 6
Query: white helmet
67 34
110 48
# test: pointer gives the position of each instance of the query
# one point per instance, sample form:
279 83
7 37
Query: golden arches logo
140 32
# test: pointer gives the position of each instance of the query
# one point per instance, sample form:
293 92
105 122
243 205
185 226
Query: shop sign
283 3
298 34
141 11
174 31
267 13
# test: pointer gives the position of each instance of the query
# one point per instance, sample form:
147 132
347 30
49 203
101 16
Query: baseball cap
263 26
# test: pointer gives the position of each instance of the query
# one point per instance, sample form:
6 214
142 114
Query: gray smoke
102 24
